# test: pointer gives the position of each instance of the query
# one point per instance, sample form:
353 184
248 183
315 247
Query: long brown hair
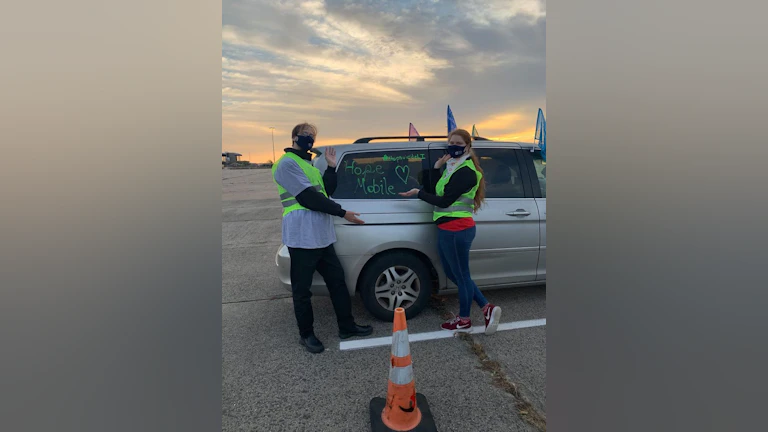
467 137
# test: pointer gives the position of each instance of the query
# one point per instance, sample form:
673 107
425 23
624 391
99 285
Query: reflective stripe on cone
400 412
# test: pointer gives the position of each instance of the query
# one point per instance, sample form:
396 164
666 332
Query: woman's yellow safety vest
313 174
465 204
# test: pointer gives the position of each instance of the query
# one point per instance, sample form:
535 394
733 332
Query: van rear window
380 175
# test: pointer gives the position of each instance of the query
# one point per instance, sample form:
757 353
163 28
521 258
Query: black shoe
356 330
312 344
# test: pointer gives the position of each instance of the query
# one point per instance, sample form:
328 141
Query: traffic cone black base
427 423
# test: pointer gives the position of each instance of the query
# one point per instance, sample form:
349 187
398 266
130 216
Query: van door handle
519 212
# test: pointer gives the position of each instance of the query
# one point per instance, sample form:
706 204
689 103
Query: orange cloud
322 141
519 135
502 122
258 148
250 128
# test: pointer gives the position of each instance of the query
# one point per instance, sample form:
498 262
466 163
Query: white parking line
440 334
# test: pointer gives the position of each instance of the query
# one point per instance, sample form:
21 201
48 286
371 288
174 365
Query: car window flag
412 132
451 121
474 132
541 134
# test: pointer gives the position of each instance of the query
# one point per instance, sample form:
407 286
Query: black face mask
305 142
456 151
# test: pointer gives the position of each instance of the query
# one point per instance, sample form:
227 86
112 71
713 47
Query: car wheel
395 280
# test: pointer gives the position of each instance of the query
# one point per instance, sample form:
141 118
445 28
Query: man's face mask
305 142
456 151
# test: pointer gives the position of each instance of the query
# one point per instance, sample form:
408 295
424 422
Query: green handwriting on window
374 179
353 168
375 186
414 157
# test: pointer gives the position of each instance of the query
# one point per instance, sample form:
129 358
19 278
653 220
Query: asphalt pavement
270 383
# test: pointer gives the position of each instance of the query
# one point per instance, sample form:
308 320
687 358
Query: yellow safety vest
465 204
313 174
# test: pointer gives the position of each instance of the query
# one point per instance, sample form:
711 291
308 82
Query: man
309 234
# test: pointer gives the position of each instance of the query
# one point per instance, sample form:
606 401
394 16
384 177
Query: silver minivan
392 259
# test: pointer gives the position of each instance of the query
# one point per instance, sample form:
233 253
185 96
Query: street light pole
273 144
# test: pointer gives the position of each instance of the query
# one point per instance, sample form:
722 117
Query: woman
460 192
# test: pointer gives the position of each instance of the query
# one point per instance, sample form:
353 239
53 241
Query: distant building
228 158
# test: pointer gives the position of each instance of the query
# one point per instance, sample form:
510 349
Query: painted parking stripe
440 334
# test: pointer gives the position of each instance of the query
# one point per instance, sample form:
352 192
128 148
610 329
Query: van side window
501 172
541 172
380 175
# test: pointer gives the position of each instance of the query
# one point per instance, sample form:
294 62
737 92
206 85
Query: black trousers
304 262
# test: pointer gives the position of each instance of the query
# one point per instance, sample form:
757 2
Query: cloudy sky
370 67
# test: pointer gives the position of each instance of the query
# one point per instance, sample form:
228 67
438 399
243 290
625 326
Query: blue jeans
453 247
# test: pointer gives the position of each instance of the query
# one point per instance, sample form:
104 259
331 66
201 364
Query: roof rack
417 138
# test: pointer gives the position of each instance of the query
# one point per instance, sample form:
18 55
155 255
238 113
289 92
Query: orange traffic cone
403 409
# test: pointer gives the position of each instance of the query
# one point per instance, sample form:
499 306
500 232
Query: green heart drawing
405 171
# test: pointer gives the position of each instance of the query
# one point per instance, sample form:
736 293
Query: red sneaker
492 315
458 324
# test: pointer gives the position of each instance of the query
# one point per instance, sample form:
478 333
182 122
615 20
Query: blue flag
451 121
541 134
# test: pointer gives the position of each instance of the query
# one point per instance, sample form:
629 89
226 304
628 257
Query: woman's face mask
456 147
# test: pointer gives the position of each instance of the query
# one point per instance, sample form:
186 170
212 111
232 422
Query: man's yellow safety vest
313 174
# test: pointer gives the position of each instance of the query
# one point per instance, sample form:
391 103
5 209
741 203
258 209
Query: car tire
393 280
